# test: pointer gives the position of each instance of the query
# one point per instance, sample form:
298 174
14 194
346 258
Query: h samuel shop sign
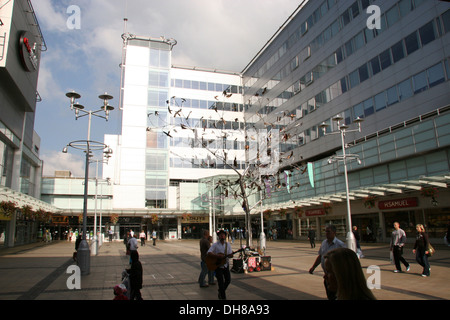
398 203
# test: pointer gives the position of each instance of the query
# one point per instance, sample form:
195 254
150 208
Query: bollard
83 257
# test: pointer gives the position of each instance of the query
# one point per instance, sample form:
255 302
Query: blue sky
222 34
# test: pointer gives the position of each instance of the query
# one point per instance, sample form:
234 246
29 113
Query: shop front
192 226
409 212
4 227
375 222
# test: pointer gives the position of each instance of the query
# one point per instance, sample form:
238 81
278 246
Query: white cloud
54 160
221 34
49 16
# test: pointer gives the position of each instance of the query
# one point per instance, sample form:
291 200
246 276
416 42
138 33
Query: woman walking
421 250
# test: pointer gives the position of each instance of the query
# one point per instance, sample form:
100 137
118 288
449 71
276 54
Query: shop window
406 219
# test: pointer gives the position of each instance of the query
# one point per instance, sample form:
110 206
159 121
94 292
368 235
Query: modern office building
328 60
179 124
21 44
331 59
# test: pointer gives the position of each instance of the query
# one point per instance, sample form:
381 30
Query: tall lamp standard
88 146
342 130
98 241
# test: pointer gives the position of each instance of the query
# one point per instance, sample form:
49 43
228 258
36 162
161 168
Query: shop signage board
315 212
195 219
398 203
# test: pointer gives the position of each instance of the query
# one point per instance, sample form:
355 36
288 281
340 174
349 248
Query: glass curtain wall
156 172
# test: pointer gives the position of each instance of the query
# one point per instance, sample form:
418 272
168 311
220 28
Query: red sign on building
315 212
398 203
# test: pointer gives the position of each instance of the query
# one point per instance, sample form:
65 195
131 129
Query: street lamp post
342 130
98 241
88 146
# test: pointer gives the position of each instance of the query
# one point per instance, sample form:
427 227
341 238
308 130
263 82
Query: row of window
297 34
183 142
207 104
418 83
399 10
177 162
208 123
384 60
207 86
333 29
398 51
159 52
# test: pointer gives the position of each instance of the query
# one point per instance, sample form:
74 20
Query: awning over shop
442 181
21 199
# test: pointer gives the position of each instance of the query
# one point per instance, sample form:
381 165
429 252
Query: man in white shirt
330 243
222 250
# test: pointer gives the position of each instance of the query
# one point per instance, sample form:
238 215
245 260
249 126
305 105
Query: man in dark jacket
135 273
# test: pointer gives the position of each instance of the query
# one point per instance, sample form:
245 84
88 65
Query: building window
385 59
392 16
411 42
363 73
350 47
397 51
392 95
446 20
427 33
405 7
436 75
380 101
353 78
375 65
405 89
358 111
420 82
368 107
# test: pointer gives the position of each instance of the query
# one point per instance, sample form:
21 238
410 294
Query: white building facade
179 124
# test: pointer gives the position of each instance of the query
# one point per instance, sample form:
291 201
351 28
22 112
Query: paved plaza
171 269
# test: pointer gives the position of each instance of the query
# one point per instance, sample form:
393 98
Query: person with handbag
421 250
